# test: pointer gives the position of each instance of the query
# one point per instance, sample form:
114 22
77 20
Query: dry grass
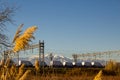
37 65
83 77
22 40
111 66
12 73
18 33
25 75
99 76
21 71
68 76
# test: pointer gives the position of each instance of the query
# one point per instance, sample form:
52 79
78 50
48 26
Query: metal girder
27 48
98 53
31 47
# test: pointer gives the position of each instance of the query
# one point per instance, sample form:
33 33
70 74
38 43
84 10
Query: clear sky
71 26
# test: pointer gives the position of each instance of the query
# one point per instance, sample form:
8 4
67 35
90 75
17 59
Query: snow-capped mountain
46 58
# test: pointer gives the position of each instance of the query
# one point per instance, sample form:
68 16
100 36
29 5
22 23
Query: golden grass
79 77
111 66
21 71
37 65
20 41
23 40
17 34
13 71
98 76
25 75
7 62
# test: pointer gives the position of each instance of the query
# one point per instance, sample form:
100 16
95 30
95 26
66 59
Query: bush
112 68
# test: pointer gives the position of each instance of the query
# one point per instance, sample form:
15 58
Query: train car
68 64
96 65
78 64
43 63
26 63
56 64
86 64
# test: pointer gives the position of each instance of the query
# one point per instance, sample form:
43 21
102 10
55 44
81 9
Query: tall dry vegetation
12 73
37 66
111 66
25 76
20 72
21 41
99 76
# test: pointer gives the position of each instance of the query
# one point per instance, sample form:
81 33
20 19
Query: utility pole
41 53
75 57
51 60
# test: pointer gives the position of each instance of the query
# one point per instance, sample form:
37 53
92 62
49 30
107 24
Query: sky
70 26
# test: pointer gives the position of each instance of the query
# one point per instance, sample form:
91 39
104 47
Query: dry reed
13 71
111 66
37 65
2 63
21 71
7 62
17 34
25 75
99 76
22 41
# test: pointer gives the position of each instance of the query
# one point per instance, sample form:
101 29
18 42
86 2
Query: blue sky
71 26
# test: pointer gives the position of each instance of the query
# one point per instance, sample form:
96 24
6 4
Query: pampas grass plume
22 41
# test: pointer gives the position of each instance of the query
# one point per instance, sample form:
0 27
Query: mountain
46 58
